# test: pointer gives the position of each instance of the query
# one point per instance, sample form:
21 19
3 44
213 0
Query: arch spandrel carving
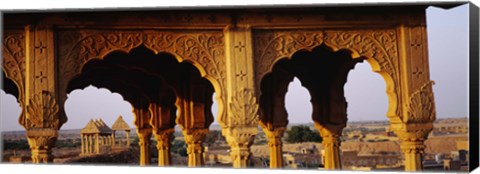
204 49
14 57
378 47
14 64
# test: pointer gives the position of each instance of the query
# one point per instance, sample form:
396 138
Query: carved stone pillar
275 145
43 115
331 145
194 140
41 142
240 125
163 146
144 143
414 119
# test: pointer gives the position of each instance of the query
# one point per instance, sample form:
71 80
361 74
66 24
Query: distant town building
456 128
313 150
351 160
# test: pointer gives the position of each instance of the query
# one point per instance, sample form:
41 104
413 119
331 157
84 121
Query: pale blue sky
448 55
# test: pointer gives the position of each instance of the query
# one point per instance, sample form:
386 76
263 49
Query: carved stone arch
129 92
378 47
204 50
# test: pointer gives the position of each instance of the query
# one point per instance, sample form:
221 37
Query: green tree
301 133
179 147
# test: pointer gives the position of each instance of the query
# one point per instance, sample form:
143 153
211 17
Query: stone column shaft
331 145
275 145
144 143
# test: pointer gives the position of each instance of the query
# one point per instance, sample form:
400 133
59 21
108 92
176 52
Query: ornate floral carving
420 105
194 139
275 136
272 45
14 57
379 45
195 135
14 63
205 48
244 108
41 142
412 147
163 138
42 111
240 139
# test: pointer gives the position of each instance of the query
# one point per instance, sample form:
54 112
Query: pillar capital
163 138
412 136
240 139
412 131
41 142
194 138
275 136
330 130
416 147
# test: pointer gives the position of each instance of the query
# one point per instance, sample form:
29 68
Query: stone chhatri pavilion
94 135
121 125
169 61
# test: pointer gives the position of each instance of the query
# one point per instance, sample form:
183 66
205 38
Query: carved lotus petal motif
244 108
42 109
420 107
